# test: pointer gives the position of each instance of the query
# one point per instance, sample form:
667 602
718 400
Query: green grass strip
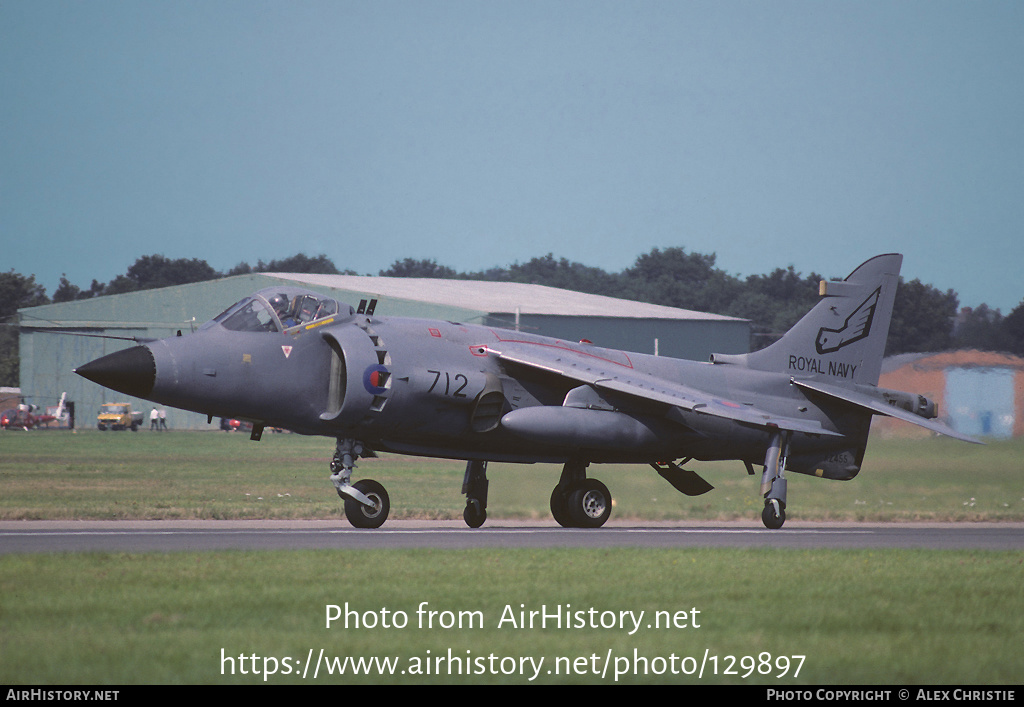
214 475
857 617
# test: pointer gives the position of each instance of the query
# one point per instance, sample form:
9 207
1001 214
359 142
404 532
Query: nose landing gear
366 502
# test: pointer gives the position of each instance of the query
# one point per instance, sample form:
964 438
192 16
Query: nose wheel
361 515
366 502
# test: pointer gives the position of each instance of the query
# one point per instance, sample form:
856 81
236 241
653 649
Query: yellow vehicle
119 416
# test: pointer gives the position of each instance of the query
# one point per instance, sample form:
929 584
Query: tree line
925 318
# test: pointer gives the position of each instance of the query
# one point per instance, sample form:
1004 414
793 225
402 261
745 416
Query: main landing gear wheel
590 504
587 504
560 507
362 516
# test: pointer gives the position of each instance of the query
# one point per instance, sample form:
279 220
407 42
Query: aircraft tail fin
842 339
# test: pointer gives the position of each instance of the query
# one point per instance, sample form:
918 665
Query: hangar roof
499 297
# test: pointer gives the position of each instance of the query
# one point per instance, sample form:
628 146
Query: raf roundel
374 379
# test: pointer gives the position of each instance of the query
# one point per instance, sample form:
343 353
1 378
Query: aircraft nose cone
131 371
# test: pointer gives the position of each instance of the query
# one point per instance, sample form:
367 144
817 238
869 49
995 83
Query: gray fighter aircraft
287 357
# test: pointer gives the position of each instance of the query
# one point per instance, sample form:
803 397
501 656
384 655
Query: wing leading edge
622 379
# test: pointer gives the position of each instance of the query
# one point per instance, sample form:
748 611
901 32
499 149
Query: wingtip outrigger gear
773 482
474 487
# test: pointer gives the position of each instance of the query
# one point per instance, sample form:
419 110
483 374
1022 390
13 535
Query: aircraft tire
589 504
362 517
560 507
474 515
772 520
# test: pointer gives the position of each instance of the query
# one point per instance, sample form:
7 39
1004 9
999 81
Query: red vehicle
229 425
24 416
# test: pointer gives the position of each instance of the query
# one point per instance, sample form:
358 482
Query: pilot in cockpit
282 306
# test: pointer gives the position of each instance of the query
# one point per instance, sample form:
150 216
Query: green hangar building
48 356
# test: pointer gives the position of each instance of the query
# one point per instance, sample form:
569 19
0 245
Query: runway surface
177 536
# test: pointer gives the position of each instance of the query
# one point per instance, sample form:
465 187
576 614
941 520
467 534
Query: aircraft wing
618 376
880 407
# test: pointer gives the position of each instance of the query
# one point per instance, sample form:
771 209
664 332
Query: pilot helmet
280 303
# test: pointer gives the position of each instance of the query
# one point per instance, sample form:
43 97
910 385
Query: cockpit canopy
281 309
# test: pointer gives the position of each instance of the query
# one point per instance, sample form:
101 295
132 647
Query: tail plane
836 350
843 338
834 355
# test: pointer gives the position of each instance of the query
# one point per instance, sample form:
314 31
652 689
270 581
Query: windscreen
251 314
279 309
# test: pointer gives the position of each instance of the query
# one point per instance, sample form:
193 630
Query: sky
484 133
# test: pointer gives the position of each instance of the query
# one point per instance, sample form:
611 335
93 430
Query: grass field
858 617
890 617
214 475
